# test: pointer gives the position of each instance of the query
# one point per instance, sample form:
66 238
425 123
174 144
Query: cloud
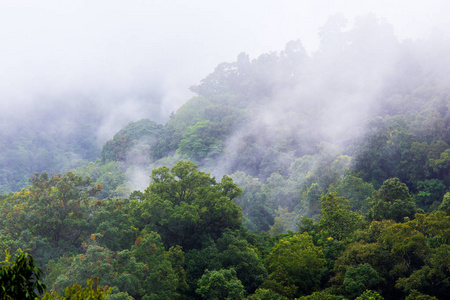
60 51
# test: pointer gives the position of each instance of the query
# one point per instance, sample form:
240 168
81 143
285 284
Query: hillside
288 176
299 125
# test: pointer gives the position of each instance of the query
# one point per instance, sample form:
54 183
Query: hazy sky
130 49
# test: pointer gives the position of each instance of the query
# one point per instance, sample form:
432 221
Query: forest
288 176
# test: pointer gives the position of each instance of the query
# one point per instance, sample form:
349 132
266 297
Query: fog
123 56
79 71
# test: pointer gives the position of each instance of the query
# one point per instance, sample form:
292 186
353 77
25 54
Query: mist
123 55
76 73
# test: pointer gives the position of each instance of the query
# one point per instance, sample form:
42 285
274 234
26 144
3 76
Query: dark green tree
445 204
59 206
370 295
354 189
21 278
133 143
336 218
322 296
392 201
266 294
220 285
186 206
294 266
430 193
360 278
76 291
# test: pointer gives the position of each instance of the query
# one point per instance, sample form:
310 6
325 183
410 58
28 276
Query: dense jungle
287 176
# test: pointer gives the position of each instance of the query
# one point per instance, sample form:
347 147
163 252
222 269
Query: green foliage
370 295
132 143
360 278
161 277
361 253
113 225
157 244
406 257
354 189
379 155
254 202
78 292
311 196
336 218
294 266
266 294
433 278
221 284
230 251
414 165
441 164
60 205
176 257
415 295
407 244
51 216
116 295
430 191
392 201
203 135
284 221
145 270
235 252
187 115
21 278
186 206
110 175
445 204
201 140
322 296
46 139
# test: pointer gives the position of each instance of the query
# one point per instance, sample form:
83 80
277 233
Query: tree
415 295
231 251
162 276
370 295
441 165
78 292
414 165
322 296
186 206
432 278
51 216
266 294
360 278
21 278
135 138
187 115
235 252
284 221
145 270
56 207
392 201
113 225
336 218
445 204
430 193
254 202
294 266
311 196
355 190
221 284
360 253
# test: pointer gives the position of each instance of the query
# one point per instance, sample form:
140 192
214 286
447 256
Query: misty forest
287 176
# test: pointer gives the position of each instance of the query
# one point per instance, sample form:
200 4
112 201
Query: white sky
126 48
